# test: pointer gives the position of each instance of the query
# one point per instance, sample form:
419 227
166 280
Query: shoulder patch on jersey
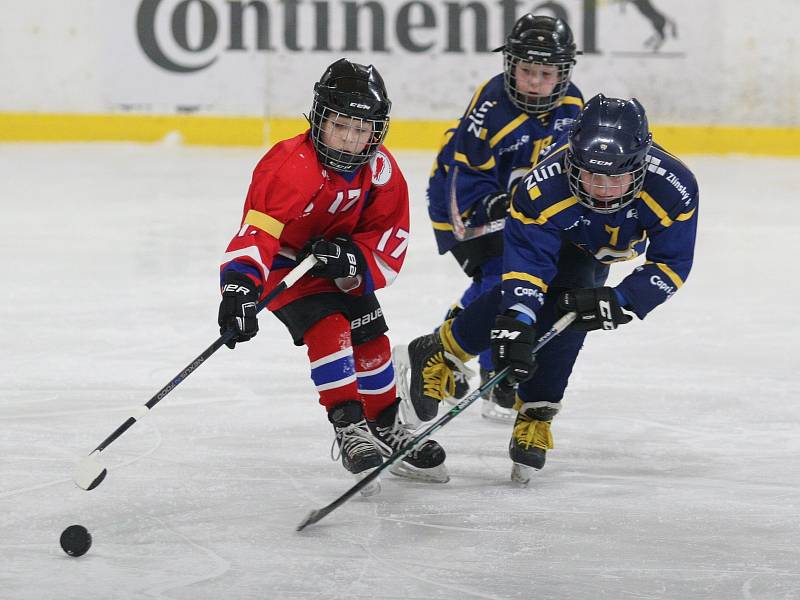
563 123
381 168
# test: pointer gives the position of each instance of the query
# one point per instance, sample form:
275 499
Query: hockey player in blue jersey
510 122
608 195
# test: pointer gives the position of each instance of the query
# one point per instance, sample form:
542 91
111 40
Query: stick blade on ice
311 518
89 472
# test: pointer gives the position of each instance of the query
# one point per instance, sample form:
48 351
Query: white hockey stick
90 472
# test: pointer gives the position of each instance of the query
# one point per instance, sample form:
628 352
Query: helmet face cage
535 105
597 204
340 159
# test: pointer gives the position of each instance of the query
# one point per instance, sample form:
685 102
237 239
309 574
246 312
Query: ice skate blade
438 474
521 474
402 369
493 412
373 488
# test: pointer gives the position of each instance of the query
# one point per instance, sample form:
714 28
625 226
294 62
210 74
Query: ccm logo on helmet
359 105
603 163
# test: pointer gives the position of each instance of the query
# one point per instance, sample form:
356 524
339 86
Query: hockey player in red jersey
335 192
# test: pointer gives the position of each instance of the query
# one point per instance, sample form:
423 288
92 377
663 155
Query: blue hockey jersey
662 219
492 146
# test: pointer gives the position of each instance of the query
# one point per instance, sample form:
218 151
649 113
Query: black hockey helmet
352 95
541 40
609 137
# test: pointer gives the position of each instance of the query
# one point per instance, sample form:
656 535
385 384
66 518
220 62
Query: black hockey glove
597 308
237 310
496 206
339 257
512 345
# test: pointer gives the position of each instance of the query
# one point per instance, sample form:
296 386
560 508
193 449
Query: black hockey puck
76 540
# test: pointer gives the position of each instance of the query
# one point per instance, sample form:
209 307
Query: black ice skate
460 378
460 388
426 463
358 450
531 438
498 403
431 370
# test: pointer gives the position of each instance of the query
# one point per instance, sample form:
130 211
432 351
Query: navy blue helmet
607 156
349 95
538 40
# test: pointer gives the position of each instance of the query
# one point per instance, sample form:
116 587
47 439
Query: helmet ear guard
610 138
353 95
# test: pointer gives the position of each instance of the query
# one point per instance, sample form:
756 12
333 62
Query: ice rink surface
675 474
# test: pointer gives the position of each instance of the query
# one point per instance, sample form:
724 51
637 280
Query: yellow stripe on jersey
476 96
264 222
449 132
525 277
559 149
546 213
497 137
669 273
571 100
661 213
462 158
442 226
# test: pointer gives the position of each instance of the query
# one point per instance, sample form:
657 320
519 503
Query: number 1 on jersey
352 198
400 234
614 231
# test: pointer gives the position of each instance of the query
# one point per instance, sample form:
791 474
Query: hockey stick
90 472
316 515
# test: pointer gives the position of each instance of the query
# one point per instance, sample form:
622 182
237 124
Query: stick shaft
451 414
291 277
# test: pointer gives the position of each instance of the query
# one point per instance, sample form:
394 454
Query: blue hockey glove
597 308
512 344
237 310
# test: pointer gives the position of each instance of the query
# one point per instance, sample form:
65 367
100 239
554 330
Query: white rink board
675 473
725 64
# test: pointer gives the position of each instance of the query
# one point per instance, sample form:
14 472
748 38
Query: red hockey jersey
293 198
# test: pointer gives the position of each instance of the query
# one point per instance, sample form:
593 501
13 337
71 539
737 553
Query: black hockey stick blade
317 515
313 517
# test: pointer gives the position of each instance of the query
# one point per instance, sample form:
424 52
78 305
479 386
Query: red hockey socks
375 375
330 351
